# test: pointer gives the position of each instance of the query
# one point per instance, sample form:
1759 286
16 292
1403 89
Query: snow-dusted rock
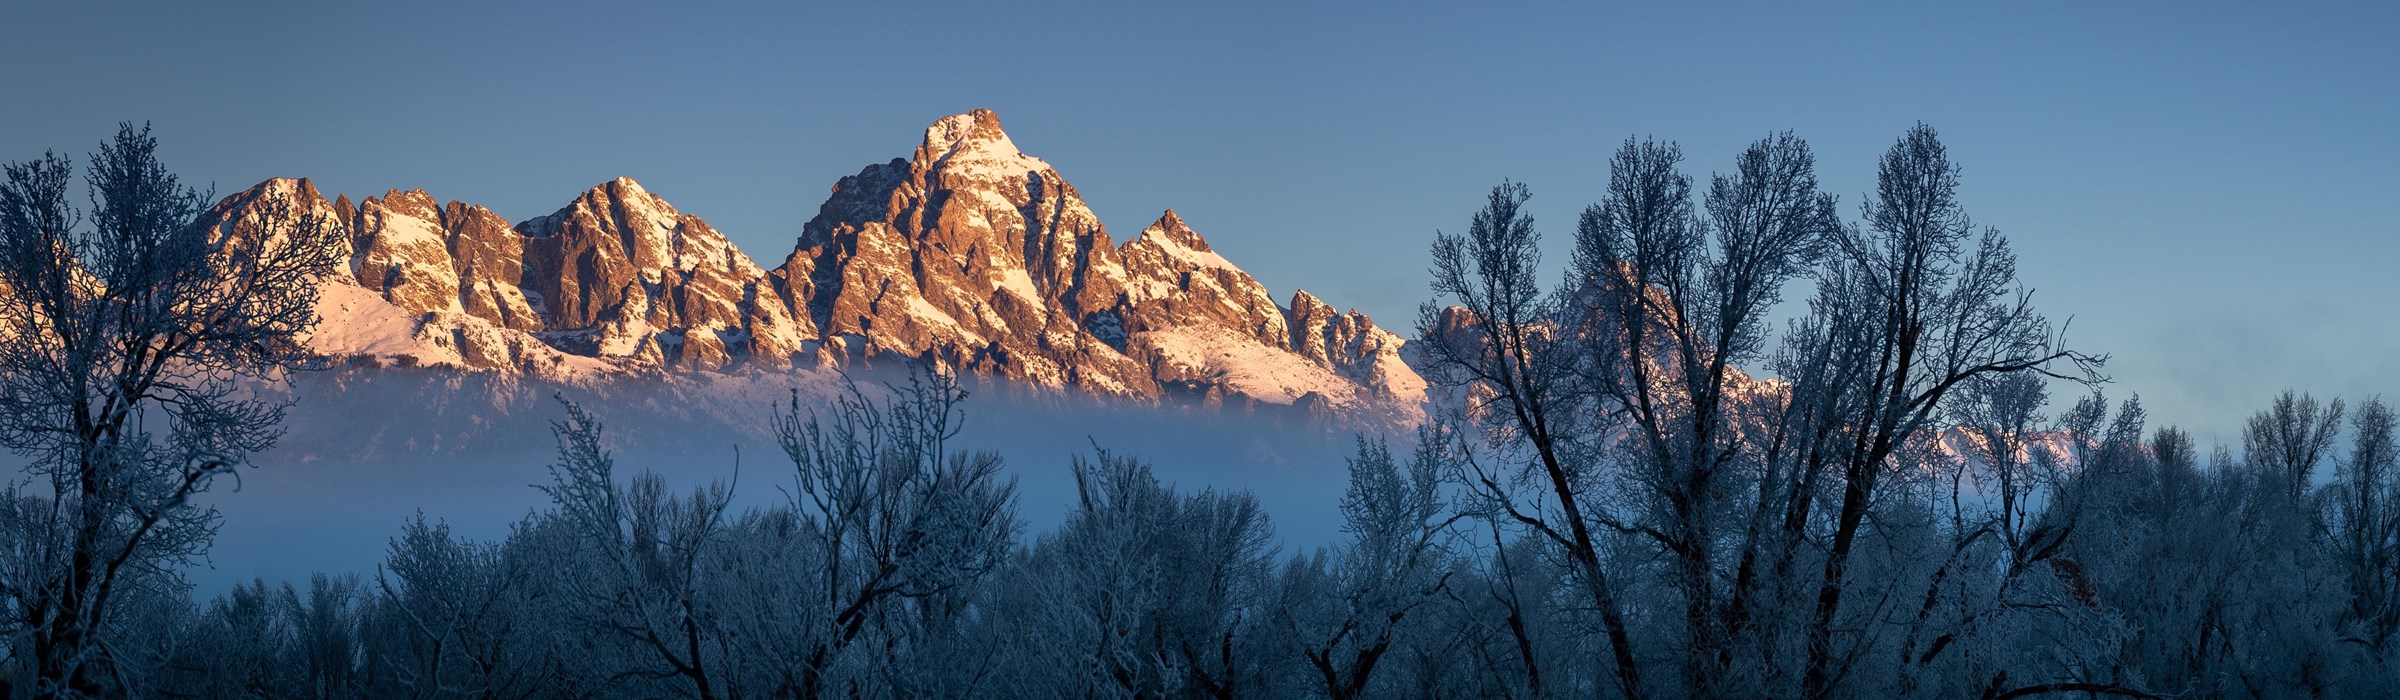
969 253
1354 347
621 273
1173 279
490 258
362 326
403 252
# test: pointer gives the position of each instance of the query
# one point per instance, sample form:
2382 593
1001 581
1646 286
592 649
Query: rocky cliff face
622 274
969 254
490 259
1351 344
403 251
1175 280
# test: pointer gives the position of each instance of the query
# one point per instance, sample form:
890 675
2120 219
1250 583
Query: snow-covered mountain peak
625 185
973 145
231 215
415 203
1170 237
1170 231
624 194
287 186
604 200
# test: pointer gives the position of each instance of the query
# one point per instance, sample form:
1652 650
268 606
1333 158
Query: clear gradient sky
2207 190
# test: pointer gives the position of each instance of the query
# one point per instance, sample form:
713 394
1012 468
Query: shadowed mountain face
969 255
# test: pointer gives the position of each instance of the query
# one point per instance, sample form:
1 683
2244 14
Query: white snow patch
1203 259
1018 282
944 324
355 321
1269 374
965 152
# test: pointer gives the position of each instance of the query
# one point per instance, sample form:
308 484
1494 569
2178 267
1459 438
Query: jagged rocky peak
1313 326
403 251
238 213
407 250
1170 226
973 145
1174 279
635 278
404 319
971 252
974 254
490 258
427 257
1352 344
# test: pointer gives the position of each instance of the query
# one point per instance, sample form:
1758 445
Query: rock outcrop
404 252
490 259
1352 345
1174 280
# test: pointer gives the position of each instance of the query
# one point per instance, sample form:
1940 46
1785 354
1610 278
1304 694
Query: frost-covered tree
1347 611
1671 306
2001 418
640 591
2289 439
1144 592
2364 530
268 640
452 616
1936 303
1623 439
903 531
129 329
1504 351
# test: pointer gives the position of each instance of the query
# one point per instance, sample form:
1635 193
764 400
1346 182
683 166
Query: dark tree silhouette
131 315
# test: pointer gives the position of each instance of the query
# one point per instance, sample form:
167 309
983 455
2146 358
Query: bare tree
133 311
2290 438
1144 593
1503 348
2177 462
1391 566
905 527
1670 307
1942 307
454 613
639 556
2360 521
2000 416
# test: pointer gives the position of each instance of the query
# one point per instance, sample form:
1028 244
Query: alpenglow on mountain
968 255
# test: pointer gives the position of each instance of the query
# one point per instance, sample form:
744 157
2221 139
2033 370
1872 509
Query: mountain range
967 255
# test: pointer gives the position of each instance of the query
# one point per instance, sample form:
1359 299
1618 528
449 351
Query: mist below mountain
369 450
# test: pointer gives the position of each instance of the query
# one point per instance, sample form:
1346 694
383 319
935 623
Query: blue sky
2203 188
